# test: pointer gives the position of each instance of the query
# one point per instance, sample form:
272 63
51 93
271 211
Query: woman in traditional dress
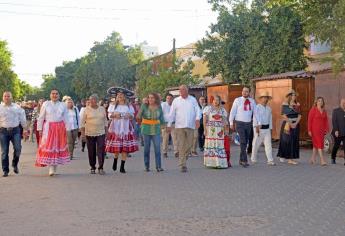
151 118
317 129
289 133
216 125
121 137
52 125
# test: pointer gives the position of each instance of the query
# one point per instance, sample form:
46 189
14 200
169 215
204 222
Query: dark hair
156 96
55 89
323 102
247 87
169 95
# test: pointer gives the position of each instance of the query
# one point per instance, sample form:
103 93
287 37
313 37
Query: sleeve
225 117
206 110
22 118
161 116
233 112
197 110
334 120
140 113
256 117
83 118
172 113
65 117
111 109
271 122
41 116
131 110
310 119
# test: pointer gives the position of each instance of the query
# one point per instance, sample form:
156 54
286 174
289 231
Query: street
260 200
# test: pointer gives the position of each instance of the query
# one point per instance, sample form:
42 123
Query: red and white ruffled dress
52 149
121 137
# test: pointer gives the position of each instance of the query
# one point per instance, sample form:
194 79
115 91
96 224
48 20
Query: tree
324 20
164 78
248 42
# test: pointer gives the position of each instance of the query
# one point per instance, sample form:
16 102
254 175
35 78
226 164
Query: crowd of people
119 125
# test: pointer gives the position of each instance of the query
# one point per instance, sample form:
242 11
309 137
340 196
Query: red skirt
53 149
116 144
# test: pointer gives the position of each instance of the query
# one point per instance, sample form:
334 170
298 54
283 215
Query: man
262 123
28 109
241 114
338 132
74 125
166 106
201 135
186 114
11 116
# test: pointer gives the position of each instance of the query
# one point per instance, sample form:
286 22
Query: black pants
336 146
7 136
201 137
95 146
244 129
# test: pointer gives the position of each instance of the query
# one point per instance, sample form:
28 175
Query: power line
99 8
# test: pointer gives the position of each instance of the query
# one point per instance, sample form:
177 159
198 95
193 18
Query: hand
309 133
257 129
197 124
205 133
336 134
116 115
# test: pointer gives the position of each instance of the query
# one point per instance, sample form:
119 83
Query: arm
335 121
41 117
161 116
172 114
233 113
82 122
310 121
65 117
22 119
271 122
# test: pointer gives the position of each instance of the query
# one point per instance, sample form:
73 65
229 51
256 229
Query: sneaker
5 174
254 161
165 155
184 169
15 169
282 160
271 163
160 169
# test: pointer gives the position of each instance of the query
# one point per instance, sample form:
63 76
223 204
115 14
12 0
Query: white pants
265 137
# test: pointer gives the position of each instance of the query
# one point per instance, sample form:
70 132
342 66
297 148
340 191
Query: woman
216 125
35 115
318 128
121 138
94 125
52 124
289 133
83 139
74 123
152 119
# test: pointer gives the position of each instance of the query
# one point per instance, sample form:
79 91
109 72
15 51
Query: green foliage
248 42
108 63
325 20
164 78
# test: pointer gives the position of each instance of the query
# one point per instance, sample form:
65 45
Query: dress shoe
15 169
5 174
333 162
184 169
160 169
101 172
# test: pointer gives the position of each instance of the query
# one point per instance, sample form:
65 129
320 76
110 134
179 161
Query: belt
265 126
9 129
150 122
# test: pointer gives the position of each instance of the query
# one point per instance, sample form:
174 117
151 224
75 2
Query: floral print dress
214 154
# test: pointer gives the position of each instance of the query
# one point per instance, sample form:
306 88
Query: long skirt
214 150
53 149
289 143
124 142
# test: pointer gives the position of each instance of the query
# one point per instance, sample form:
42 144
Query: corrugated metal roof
189 87
291 74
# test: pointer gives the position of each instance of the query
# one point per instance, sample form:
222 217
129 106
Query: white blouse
53 112
120 126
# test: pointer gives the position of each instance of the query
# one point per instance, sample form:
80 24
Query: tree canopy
248 42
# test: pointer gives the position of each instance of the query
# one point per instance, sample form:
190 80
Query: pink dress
52 149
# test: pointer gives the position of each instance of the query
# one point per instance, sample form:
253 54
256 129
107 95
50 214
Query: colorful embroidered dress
52 149
214 152
121 137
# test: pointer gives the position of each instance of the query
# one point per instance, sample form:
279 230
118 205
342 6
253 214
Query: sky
41 34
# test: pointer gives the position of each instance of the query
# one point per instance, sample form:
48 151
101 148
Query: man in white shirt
11 115
262 123
241 114
185 112
166 106
73 124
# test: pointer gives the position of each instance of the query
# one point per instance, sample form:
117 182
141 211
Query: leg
250 140
91 149
70 143
17 148
322 160
123 161
165 139
174 139
241 129
5 143
268 145
157 148
75 139
100 150
180 136
201 137
337 142
257 141
188 135
147 147
194 143
313 155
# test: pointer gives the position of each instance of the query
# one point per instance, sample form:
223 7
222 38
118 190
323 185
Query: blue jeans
156 139
7 136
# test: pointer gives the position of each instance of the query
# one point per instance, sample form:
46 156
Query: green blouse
146 113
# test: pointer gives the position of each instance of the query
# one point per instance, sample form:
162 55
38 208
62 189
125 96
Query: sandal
292 162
